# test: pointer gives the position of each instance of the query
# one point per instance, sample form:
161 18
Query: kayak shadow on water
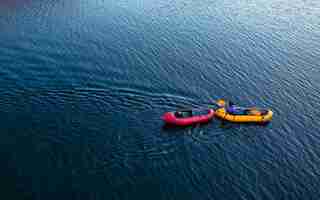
227 125
173 130
222 124
168 129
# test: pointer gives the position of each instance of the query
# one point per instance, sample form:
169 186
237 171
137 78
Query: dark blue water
83 84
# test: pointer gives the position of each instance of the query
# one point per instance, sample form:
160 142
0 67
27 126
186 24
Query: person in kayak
183 114
231 108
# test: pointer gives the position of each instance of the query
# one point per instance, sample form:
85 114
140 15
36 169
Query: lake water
83 84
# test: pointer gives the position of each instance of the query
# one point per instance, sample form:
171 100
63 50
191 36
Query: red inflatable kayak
188 117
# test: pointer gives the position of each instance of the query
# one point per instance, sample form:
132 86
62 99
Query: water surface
83 85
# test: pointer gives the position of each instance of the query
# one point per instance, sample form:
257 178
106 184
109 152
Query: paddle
212 105
218 104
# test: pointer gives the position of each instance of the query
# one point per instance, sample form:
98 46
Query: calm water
83 84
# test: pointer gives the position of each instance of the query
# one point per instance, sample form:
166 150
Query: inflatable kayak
188 117
240 114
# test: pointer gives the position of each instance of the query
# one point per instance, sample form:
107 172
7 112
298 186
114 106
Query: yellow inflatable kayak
239 114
